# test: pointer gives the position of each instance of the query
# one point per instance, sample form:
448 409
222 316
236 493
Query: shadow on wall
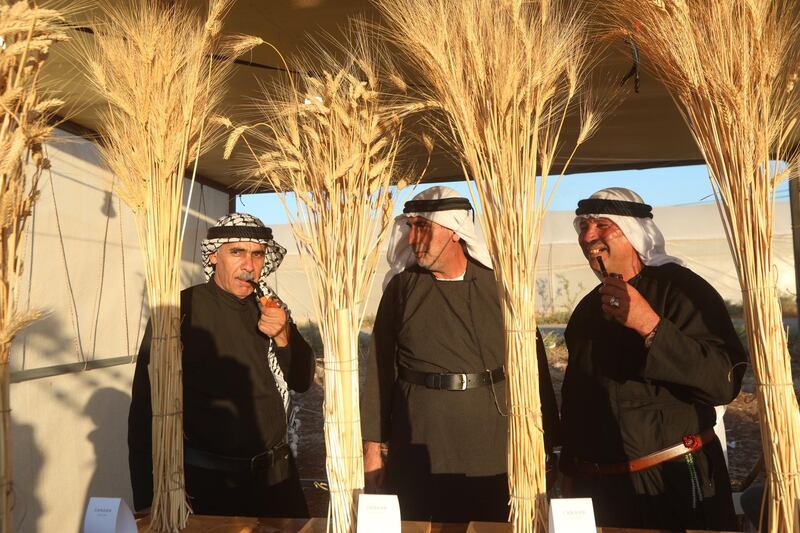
27 463
44 343
108 410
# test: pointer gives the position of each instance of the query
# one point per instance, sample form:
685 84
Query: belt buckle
463 381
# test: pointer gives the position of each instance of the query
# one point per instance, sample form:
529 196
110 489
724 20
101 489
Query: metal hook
634 71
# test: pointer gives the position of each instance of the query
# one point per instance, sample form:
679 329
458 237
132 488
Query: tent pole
794 207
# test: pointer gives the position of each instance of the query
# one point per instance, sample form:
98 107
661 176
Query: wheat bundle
155 68
26 34
731 67
506 74
332 137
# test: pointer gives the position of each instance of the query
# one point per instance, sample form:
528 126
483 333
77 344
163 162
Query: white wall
82 267
68 443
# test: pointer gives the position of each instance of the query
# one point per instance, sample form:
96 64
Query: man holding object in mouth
241 355
652 350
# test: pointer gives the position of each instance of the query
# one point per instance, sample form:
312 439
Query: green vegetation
310 332
562 291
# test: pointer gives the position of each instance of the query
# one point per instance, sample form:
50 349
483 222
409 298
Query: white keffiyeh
641 232
400 254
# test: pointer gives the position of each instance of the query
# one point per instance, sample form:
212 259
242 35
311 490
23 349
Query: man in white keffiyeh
652 351
241 356
434 387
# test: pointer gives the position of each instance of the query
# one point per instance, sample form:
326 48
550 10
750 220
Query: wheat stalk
731 67
506 74
27 33
154 66
332 137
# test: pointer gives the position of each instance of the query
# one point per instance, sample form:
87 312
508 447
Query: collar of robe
230 299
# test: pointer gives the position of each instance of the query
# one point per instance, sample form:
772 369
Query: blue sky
658 187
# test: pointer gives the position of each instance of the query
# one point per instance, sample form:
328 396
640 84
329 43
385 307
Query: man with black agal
435 387
652 350
241 356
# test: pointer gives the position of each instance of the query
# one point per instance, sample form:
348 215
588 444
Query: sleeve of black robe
140 457
547 395
376 399
696 350
296 361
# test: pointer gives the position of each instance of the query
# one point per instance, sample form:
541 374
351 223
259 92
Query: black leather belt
452 381
212 461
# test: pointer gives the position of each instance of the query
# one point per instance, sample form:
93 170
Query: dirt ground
741 422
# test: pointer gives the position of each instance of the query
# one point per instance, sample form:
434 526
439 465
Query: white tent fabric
82 262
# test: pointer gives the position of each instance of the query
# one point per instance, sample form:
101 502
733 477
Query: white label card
572 515
108 515
378 513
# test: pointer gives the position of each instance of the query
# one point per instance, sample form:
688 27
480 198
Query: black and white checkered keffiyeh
247 228
238 227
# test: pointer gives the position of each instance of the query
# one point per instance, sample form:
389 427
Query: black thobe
621 401
231 406
447 457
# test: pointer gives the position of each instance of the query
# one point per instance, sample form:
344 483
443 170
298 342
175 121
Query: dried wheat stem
153 66
731 67
333 139
506 75
28 32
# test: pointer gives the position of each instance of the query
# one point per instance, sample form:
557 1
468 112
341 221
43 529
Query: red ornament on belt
691 442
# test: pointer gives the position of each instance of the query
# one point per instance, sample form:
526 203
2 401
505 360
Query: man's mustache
596 243
245 276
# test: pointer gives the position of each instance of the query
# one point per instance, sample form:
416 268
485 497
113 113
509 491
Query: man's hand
374 471
633 312
273 321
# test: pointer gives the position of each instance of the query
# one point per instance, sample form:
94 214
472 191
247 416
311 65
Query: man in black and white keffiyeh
238 227
241 356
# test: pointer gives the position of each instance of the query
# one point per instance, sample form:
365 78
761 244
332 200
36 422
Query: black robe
621 401
447 457
231 406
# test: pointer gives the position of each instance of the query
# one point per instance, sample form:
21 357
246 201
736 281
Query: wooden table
226 524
